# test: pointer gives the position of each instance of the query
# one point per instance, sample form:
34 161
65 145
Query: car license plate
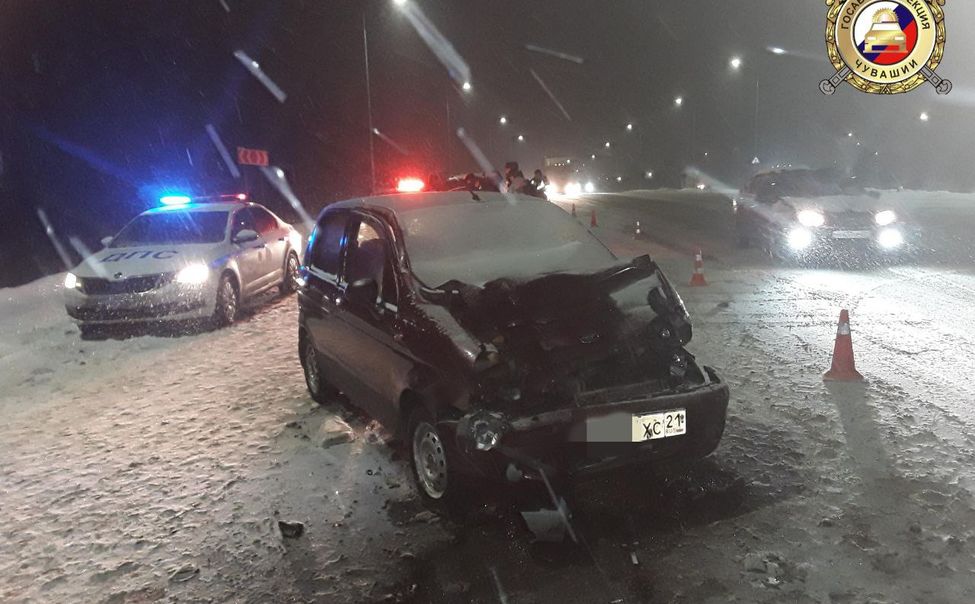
851 234
659 425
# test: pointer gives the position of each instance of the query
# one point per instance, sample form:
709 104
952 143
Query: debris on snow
291 530
334 431
183 573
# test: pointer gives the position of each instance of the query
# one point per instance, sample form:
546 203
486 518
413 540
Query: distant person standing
539 181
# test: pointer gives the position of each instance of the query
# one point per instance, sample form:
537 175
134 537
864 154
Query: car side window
369 257
264 221
326 251
243 221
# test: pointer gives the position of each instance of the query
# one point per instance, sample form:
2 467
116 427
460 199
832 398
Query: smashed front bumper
170 302
593 436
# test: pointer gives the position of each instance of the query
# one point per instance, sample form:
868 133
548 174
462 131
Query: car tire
228 302
290 283
432 462
320 390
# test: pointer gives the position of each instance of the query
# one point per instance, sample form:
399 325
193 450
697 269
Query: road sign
252 157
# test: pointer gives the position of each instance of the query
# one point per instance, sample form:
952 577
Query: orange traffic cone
843 369
573 210
698 280
593 223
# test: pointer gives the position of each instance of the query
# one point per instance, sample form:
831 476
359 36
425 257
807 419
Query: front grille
132 285
853 221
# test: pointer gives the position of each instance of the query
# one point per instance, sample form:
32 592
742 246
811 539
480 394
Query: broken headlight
484 429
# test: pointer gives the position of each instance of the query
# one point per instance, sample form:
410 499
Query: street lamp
629 127
849 135
735 63
608 145
503 120
649 174
924 116
594 156
679 101
775 50
521 138
466 86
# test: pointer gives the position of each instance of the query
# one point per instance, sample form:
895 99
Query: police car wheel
228 301
290 283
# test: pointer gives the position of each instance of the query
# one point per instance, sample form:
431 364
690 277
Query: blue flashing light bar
174 200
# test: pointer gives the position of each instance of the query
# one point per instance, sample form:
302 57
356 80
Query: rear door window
263 220
369 257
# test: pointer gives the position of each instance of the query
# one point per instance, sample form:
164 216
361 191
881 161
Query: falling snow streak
555 53
225 6
402 150
212 132
255 68
49 231
541 83
276 177
439 45
85 252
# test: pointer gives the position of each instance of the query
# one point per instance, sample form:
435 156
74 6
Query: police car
187 259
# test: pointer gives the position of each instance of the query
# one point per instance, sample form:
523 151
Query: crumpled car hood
563 333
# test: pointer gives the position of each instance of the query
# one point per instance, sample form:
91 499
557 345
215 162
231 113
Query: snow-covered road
156 468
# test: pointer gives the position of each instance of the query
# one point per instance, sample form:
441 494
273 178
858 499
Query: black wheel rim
312 373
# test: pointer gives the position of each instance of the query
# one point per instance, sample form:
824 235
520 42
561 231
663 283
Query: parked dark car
500 340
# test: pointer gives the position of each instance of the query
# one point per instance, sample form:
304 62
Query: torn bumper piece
590 438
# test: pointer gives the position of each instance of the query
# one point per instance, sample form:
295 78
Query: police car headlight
885 218
71 281
193 274
811 218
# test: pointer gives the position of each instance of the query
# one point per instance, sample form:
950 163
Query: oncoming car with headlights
187 259
815 214
500 340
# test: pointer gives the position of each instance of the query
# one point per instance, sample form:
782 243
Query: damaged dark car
499 339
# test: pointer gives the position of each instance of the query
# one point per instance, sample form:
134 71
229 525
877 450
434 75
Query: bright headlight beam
890 239
811 218
70 281
885 218
800 239
193 274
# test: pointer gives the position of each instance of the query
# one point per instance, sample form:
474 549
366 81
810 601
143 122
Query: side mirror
107 241
363 292
246 236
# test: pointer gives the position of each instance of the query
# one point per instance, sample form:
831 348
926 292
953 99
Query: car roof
400 203
223 206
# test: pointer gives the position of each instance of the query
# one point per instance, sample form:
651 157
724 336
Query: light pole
372 129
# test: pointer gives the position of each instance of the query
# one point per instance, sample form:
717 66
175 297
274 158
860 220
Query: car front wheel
431 461
291 267
228 302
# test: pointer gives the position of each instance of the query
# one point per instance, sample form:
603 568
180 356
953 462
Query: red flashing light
410 185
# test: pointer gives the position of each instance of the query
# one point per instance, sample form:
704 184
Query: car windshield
515 238
173 227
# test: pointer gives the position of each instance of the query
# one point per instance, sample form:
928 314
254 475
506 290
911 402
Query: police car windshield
173 228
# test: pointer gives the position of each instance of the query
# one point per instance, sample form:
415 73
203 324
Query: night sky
104 104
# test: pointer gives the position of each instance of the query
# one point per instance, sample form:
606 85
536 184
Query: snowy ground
156 468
